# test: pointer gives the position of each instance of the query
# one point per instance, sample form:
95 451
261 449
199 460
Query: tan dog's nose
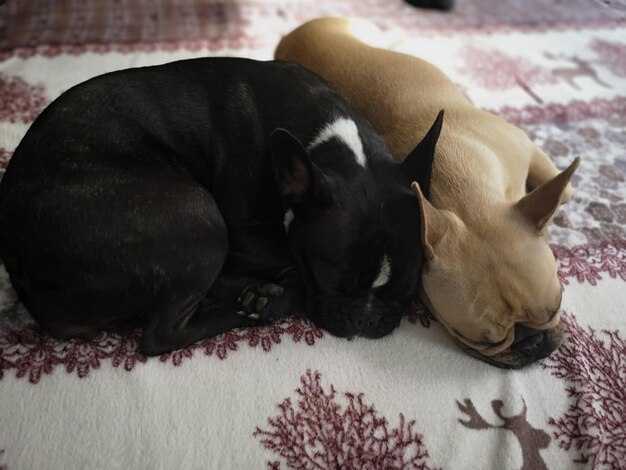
526 339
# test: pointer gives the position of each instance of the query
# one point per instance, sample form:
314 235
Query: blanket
290 395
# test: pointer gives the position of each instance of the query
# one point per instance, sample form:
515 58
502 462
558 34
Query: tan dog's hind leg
541 170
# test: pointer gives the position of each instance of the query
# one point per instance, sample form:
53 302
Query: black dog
163 196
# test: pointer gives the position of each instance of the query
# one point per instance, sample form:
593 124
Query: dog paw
255 299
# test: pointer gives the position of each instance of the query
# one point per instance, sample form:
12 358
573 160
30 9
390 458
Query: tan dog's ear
541 203
433 223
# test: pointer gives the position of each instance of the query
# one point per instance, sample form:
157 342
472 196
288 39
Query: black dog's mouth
346 316
533 347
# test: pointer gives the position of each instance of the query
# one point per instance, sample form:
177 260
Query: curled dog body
203 195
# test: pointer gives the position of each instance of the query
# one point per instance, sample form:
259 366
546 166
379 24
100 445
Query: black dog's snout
364 315
527 339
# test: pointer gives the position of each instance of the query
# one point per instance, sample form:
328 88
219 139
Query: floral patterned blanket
289 395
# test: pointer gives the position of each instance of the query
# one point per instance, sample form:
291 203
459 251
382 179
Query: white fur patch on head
288 219
346 131
383 273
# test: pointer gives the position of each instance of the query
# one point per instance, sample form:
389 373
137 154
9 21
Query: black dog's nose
526 339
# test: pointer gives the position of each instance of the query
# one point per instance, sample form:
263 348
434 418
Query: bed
290 395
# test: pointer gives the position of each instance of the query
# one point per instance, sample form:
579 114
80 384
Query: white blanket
290 395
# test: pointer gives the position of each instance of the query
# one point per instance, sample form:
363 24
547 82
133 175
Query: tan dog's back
400 95
327 47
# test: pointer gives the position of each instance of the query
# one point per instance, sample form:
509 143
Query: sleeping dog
489 275
203 195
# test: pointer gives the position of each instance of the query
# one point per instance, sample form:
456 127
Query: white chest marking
383 273
288 219
346 131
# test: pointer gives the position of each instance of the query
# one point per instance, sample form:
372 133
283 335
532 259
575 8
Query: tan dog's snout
491 280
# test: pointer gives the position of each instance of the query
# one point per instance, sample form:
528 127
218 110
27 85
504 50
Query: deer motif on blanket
531 439
583 68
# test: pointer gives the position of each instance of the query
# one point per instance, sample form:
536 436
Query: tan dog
490 276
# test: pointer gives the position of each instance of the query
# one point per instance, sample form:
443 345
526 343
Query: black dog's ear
292 165
298 177
418 165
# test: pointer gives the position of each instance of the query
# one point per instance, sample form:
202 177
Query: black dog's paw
255 301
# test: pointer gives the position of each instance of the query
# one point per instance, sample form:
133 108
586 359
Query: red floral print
5 156
19 102
32 354
319 432
594 368
585 262
417 312
210 45
557 113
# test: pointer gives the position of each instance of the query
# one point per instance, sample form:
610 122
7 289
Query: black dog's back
117 201
169 118
179 109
